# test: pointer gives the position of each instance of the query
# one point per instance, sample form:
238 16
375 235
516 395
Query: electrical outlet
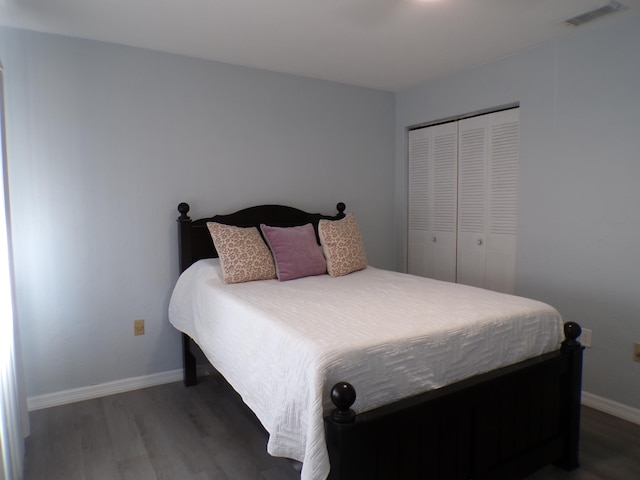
585 337
636 352
138 327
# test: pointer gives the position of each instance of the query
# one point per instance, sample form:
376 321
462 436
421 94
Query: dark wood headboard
195 241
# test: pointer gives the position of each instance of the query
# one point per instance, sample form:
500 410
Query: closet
463 200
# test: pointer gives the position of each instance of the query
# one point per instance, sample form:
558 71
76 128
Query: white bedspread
283 345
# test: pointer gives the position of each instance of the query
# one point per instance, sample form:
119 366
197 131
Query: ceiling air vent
611 7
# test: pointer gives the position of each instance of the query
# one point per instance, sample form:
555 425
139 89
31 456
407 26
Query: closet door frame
481 249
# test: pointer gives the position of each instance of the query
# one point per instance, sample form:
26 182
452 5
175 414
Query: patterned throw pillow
342 245
243 254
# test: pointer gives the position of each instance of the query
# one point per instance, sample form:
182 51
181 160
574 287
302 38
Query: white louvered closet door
463 200
503 200
488 200
433 201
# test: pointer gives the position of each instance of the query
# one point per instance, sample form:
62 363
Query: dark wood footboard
504 424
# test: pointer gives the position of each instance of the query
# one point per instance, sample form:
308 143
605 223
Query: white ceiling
385 44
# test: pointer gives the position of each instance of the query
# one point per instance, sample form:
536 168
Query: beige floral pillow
243 254
342 245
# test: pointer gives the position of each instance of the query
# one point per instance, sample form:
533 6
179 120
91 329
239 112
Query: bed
487 390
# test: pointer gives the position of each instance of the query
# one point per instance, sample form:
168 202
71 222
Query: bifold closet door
488 200
433 205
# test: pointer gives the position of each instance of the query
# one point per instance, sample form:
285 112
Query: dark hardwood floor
204 432
609 450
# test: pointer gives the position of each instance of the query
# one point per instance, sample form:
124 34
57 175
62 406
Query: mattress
283 345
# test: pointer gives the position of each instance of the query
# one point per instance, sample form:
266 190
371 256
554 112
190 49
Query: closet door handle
479 241
435 239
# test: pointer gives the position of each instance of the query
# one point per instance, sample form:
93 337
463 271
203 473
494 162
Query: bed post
190 377
572 395
184 240
339 425
184 237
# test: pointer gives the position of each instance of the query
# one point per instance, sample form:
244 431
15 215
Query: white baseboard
102 390
611 407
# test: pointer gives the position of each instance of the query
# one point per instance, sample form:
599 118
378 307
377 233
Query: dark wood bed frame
504 424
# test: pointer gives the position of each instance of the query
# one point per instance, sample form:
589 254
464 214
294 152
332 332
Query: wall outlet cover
138 327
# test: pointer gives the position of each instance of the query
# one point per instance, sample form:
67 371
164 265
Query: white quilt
283 345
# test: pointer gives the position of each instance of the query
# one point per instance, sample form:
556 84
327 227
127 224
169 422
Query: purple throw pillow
295 251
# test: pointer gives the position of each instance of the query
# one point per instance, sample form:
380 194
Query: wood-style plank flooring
167 432
609 450
204 432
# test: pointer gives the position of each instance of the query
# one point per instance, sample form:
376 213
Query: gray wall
579 223
104 141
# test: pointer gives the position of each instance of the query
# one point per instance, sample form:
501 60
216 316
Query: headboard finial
183 208
341 208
